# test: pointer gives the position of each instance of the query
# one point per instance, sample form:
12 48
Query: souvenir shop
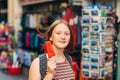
24 22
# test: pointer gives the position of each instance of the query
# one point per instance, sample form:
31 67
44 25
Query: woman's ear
50 39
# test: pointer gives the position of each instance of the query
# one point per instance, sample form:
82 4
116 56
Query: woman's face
60 36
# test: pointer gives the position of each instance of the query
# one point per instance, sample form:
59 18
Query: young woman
58 67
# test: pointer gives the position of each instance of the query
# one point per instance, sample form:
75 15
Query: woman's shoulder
36 60
34 69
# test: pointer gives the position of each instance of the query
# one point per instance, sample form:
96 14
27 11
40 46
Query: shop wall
14 14
10 11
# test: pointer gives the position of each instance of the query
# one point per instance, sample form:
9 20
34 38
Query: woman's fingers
51 64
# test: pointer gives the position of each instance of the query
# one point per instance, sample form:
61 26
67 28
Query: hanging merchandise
6 39
27 39
13 65
25 57
97 42
7 45
3 57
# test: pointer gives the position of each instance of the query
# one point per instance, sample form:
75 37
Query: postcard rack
97 42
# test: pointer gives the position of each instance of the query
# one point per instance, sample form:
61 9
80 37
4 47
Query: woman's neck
59 55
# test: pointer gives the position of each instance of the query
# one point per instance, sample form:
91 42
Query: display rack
7 45
97 42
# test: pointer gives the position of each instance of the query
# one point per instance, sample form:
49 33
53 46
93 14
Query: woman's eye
67 34
57 33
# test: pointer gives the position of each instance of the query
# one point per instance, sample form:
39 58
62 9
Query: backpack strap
43 65
68 58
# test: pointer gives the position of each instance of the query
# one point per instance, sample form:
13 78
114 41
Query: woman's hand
51 65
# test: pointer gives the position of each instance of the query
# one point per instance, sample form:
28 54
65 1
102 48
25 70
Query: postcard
94 35
95 28
94 59
85 43
86 73
85 66
85 27
94 12
94 66
86 20
94 43
95 20
86 35
95 51
85 12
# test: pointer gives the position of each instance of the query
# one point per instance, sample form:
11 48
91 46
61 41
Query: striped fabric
64 71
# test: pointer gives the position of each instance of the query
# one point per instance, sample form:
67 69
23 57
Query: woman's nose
63 36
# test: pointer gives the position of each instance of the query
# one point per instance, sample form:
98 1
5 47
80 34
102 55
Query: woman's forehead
61 27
